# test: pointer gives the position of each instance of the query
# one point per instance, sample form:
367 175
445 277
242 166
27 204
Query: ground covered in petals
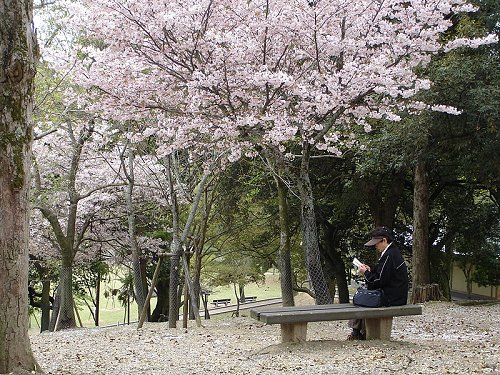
447 339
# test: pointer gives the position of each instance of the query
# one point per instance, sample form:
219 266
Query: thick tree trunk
310 241
63 316
428 292
421 271
285 262
160 312
17 70
335 269
338 271
420 259
384 200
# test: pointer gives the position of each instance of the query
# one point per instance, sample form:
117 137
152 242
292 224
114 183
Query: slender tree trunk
45 319
176 245
18 49
45 302
139 287
310 241
193 297
196 278
285 262
445 284
198 245
468 278
173 313
175 249
97 298
55 308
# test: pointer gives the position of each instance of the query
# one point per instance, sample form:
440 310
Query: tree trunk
338 271
46 299
64 316
193 297
97 298
242 293
196 278
335 269
428 292
285 262
55 308
384 200
310 241
175 249
468 278
160 312
140 289
177 242
173 313
45 320
199 244
420 258
19 53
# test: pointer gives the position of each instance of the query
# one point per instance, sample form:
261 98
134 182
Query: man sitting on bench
389 274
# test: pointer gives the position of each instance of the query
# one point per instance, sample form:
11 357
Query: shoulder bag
368 298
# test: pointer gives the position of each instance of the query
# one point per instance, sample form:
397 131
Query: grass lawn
269 289
112 312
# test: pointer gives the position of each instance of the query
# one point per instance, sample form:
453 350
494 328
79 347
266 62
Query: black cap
378 234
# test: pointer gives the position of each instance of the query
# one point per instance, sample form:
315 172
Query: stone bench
294 319
224 301
250 299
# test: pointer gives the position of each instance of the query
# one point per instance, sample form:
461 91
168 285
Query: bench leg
293 332
378 328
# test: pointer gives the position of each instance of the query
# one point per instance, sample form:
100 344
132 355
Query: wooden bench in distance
225 302
294 319
250 299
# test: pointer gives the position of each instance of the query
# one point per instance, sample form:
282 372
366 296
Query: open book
356 262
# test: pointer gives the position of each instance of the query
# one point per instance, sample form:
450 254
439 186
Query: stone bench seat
294 319
224 301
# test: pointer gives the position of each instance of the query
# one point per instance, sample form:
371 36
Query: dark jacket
391 275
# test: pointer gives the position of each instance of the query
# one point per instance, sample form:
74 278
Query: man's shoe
354 335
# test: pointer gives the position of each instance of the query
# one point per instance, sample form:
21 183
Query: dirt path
447 338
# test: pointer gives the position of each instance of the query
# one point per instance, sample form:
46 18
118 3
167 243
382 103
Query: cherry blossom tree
85 190
249 76
58 197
